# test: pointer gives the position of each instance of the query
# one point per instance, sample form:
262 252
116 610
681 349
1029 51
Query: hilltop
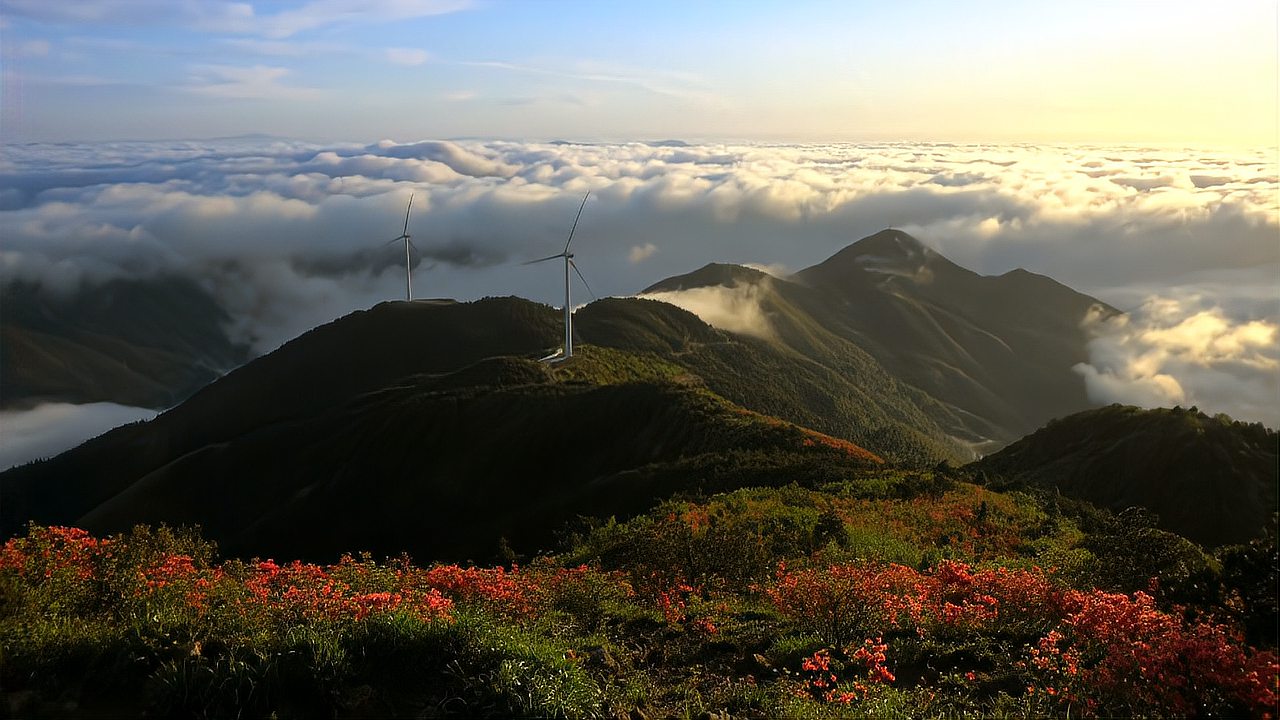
1209 479
444 464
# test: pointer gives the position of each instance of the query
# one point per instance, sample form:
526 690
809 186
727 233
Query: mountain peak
890 241
889 252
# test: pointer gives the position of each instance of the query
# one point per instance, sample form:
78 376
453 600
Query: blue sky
1136 72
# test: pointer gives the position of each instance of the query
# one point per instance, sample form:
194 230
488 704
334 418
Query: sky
981 71
267 151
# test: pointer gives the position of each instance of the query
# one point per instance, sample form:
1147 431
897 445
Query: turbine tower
569 263
408 243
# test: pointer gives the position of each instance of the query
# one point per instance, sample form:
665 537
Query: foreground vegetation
888 595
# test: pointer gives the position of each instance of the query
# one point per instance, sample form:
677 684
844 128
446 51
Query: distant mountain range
430 426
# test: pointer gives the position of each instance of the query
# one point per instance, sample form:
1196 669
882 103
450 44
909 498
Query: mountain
332 364
451 465
995 354
272 425
142 343
1207 478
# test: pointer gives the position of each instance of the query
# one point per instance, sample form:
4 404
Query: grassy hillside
455 345
842 392
448 466
1207 478
879 595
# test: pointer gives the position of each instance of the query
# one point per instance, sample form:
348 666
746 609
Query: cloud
658 82
223 16
289 234
736 309
49 429
640 253
1182 352
406 56
256 82
777 270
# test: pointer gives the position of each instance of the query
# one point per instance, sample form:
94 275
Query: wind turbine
408 243
568 263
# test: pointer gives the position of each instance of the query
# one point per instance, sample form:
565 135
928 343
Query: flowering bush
1119 654
1110 653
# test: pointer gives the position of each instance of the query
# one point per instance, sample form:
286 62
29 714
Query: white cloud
289 234
223 16
640 253
736 309
777 270
49 429
406 56
1179 352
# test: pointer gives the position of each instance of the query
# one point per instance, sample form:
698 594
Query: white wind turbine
408 243
568 263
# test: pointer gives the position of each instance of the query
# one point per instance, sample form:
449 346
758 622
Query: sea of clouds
291 234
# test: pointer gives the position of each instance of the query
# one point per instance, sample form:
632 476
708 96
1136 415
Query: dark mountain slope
362 352
1209 479
149 344
398 345
445 466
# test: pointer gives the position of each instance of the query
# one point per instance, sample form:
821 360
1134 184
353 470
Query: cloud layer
51 428
290 234
1187 352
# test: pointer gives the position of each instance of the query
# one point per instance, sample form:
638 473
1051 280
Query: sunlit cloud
1170 352
291 234
736 309
640 253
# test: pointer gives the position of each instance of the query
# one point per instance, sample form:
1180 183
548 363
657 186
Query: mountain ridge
1209 479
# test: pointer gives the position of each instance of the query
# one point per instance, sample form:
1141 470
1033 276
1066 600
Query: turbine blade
549 257
574 265
575 222
406 214
393 240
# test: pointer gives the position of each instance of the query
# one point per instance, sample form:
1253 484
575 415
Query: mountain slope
372 350
445 466
994 354
843 393
1209 479
148 344
330 365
